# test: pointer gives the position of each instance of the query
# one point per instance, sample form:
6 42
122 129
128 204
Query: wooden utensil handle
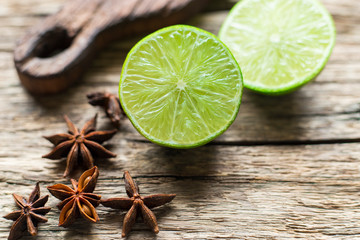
56 52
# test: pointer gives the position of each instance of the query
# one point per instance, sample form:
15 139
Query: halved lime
279 44
180 87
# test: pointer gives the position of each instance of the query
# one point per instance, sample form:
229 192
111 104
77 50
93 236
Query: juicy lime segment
181 87
279 44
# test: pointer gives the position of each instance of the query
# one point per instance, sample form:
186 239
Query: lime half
279 44
180 87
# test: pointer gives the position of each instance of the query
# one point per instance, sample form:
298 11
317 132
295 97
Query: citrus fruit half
279 44
180 87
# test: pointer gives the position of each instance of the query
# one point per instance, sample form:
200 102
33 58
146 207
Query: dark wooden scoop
56 52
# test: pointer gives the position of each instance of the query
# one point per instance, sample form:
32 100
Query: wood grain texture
54 53
287 168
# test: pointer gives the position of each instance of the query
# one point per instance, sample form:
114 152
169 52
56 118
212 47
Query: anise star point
77 201
137 205
80 145
32 211
111 104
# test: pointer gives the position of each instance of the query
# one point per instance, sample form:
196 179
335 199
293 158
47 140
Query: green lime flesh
181 87
280 44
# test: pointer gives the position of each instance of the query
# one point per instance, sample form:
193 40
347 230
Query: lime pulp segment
280 44
181 87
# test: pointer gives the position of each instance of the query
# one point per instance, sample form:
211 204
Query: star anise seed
32 212
137 205
77 201
111 104
81 145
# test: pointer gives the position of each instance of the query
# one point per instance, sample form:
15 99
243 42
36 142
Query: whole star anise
32 212
77 201
81 145
111 104
137 205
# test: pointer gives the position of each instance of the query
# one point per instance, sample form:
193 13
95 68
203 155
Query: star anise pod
137 205
32 211
77 201
81 145
111 104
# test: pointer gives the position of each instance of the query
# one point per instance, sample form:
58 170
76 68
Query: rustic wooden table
287 168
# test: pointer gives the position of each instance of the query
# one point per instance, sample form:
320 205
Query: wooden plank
296 118
307 191
325 110
317 112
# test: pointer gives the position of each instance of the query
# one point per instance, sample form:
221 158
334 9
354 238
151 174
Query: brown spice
77 201
111 104
32 212
137 205
81 145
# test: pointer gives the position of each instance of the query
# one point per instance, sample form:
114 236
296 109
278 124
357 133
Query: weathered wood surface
287 168
54 53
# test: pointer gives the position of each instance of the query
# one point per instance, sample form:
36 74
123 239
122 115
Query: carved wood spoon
56 52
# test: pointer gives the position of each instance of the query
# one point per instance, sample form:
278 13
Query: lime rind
212 134
296 83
